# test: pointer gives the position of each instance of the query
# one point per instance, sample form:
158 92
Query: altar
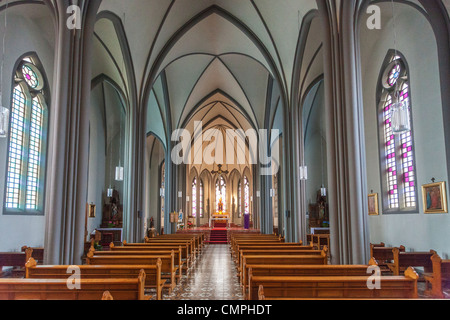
219 217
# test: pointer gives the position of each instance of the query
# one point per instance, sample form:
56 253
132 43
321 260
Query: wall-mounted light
323 191
161 192
303 173
119 173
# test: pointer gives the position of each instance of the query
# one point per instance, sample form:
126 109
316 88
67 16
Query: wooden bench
159 242
332 287
278 251
439 279
404 260
37 253
281 246
168 268
16 260
234 245
58 289
186 255
191 242
152 273
150 251
280 259
197 239
321 240
306 270
383 255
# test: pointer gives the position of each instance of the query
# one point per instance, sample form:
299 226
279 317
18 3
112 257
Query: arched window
239 199
194 197
246 196
201 191
396 150
26 162
221 190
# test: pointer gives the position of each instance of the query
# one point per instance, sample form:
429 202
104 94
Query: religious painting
373 204
434 198
91 210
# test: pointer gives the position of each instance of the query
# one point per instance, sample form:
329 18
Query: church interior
224 149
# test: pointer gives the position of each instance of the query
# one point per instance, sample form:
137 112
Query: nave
212 277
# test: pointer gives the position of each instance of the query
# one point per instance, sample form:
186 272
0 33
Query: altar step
220 225
218 236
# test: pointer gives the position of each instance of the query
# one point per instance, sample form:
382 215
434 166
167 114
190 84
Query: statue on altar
112 212
220 206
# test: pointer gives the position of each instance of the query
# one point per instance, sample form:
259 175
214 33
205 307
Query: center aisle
213 277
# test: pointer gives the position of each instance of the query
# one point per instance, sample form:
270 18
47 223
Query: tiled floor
213 277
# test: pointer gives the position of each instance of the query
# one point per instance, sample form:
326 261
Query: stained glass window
194 198
221 189
26 147
399 185
239 199
201 199
30 76
246 196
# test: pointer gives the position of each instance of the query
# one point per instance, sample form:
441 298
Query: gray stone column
69 136
345 132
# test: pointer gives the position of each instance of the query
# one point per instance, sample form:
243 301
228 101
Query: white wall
416 41
24 34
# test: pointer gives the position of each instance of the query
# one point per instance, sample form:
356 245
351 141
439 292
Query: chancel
167 149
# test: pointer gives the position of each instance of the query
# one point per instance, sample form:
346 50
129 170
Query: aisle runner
213 277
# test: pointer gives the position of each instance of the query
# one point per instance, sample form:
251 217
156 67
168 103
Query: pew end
107 296
261 293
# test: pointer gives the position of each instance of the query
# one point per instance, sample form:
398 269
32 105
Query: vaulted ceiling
197 60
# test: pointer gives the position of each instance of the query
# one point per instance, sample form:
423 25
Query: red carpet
218 235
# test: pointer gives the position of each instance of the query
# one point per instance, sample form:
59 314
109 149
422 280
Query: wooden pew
58 289
168 268
404 260
152 273
282 246
383 255
277 251
267 241
191 242
333 287
197 238
16 260
321 240
275 270
439 279
187 254
150 251
280 259
37 253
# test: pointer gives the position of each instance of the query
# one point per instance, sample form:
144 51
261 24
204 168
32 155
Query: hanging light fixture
400 117
4 112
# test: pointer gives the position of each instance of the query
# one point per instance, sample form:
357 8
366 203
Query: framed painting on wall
373 204
91 210
434 198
